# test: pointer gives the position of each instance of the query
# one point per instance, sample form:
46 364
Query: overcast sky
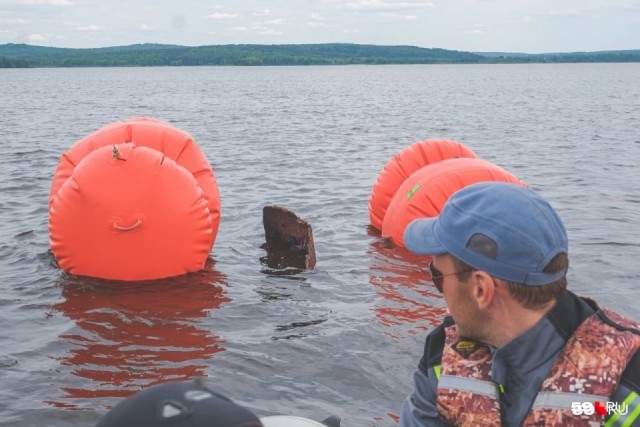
531 26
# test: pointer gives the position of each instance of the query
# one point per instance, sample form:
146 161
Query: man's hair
529 296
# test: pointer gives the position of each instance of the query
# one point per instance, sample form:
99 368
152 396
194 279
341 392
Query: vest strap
471 385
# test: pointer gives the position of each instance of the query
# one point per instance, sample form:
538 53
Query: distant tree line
612 56
21 55
13 63
154 55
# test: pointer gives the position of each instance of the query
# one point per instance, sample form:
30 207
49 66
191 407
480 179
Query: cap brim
420 237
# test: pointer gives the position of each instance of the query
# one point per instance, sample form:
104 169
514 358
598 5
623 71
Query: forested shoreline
29 56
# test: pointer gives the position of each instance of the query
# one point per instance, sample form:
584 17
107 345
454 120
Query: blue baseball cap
509 231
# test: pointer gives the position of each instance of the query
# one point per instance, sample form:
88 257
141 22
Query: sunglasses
438 278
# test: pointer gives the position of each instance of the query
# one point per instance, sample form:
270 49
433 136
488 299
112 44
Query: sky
529 26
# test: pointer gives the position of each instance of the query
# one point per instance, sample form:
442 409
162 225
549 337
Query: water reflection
285 269
281 263
281 259
132 335
411 303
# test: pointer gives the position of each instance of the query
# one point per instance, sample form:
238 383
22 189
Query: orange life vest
588 368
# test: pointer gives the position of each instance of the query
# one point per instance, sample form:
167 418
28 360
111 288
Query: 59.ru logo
599 408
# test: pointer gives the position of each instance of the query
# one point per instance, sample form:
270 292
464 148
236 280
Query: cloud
264 27
12 21
317 21
146 27
269 32
265 12
476 32
633 8
563 13
279 21
49 2
178 22
352 31
36 37
223 16
90 28
376 5
400 17
256 28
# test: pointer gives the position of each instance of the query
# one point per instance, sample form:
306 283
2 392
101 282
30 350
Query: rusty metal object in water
289 239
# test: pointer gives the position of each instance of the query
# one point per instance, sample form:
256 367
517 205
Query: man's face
458 297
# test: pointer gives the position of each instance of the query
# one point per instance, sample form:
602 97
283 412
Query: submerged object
289 239
136 200
426 191
402 165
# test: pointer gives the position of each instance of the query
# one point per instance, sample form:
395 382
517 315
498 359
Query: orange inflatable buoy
402 165
136 200
425 192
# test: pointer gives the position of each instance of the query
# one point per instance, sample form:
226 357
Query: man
518 348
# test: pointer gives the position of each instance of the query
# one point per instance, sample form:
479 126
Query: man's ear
483 289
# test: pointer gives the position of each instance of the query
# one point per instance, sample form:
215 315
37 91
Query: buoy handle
119 227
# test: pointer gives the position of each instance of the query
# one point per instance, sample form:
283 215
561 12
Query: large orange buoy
425 192
402 165
136 200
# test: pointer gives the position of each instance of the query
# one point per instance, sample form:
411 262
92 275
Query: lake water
341 339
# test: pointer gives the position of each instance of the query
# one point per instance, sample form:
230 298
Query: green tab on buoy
413 191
